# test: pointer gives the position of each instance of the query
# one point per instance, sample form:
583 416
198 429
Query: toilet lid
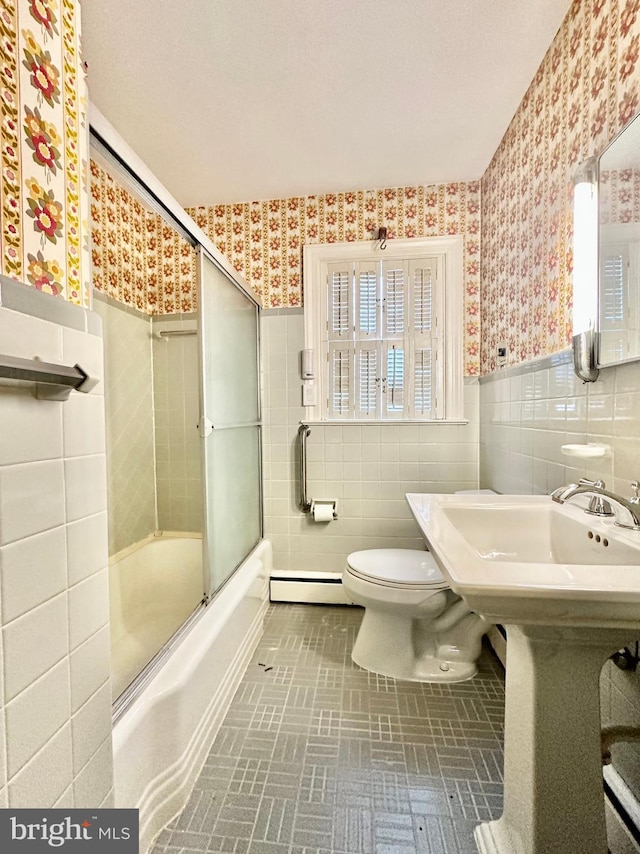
397 567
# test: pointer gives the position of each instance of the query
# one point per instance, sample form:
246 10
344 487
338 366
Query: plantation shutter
384 352
613 308
612 289
340 325
426 346
367 379
340 301
367 302
341 385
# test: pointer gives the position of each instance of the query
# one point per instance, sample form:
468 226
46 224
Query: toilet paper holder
306 504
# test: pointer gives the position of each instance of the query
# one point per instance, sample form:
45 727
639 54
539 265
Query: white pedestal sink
567 587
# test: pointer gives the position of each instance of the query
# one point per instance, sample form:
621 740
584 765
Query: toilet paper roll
322 512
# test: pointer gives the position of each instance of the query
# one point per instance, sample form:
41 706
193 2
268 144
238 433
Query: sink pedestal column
553 797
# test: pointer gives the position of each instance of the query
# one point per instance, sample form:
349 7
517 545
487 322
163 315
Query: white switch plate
309 394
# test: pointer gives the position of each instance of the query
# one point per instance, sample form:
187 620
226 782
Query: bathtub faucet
603 502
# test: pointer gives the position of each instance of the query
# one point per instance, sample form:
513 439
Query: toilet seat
408 569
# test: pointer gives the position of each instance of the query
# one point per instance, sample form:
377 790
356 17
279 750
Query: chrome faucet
603 502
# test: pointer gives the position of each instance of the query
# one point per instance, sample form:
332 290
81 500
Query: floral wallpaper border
137 258
264 239
44 136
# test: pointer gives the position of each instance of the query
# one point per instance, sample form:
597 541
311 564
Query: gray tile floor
316 755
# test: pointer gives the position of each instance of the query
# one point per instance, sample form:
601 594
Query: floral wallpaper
619 196
137 258
586 89
264 240
43 192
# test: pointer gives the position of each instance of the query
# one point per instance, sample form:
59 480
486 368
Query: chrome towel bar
52 382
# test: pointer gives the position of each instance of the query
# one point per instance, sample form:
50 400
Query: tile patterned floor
317 756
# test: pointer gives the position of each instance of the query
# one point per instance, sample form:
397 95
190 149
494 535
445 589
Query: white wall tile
90 668
36 714
91 725
33 643
83 425
3 748
36 679
66 800
88 607
109 802
28 337
32 570
39 435
87 547
31 499
44 779
86 486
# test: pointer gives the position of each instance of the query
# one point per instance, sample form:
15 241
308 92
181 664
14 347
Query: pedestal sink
566 586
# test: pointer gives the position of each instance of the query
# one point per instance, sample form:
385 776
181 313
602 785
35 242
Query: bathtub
154 586
162 739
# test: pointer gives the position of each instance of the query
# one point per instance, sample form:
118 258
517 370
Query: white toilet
414 626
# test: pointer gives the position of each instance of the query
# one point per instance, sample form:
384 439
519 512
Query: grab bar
52 382
304 431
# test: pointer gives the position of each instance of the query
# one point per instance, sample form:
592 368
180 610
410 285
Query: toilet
414 626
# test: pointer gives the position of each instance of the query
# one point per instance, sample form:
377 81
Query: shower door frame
101 131
206 427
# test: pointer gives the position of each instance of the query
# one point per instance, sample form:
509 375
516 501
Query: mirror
619 248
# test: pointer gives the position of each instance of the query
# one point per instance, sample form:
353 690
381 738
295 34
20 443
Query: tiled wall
129 424
176 378
586 89
55 725
526 415
525 419
367 468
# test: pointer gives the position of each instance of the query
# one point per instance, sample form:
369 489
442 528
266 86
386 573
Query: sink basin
529 560
566 586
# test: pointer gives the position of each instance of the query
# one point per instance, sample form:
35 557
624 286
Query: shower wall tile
88 607
53 559
32 571
36 715
128 399
31 443
90 667
87 543
367 468
91 726
43 779
524 421
176 379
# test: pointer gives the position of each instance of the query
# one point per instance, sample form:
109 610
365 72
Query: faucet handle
596 484
635 485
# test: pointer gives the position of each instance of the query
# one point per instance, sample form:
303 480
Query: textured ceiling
233 100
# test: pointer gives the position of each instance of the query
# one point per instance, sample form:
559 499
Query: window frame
449 251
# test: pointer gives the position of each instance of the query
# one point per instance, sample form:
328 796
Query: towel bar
52 382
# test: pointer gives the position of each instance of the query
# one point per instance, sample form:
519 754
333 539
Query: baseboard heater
320 588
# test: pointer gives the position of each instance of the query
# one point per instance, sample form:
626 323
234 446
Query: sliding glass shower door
229 422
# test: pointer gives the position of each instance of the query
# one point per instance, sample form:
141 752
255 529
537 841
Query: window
385 328
619 309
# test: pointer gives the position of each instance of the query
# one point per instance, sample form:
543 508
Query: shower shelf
52 381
